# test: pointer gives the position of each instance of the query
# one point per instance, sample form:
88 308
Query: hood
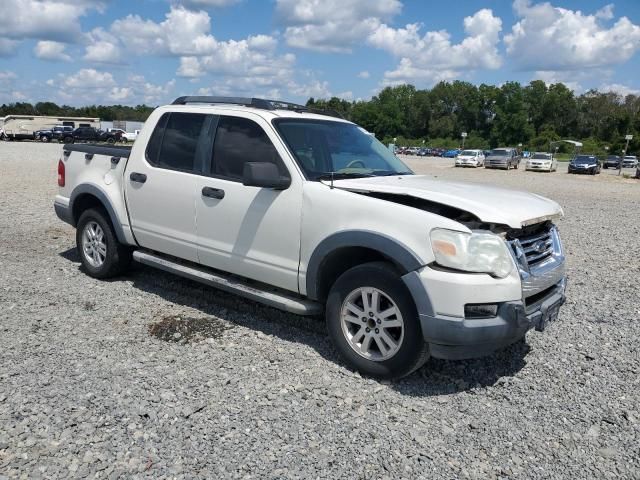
489 204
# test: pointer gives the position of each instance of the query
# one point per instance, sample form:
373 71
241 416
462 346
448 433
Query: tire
68 140
111 140
44 139
515 166
411 351
116 257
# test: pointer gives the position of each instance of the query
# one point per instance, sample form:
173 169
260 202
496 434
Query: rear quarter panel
100 172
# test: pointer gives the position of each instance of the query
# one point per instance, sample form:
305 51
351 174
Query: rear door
249 231
161 182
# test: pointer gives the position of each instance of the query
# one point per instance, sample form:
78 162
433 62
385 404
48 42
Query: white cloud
431 57
103 47
183 32
50 50
44 19
332 25
190 67
553 38
623 90
364 74
89 78
119 94
90 86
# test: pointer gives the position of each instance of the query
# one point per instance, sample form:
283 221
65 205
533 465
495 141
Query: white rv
20 127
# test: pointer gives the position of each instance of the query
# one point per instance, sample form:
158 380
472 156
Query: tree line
508 115
533 115
139 113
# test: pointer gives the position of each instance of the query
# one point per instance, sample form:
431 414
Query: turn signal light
60 173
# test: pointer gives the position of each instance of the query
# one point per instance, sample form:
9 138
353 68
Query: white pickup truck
306 212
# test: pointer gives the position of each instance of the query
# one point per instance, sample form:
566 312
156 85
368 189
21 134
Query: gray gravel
154 376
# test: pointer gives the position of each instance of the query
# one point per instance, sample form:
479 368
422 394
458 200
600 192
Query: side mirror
265 175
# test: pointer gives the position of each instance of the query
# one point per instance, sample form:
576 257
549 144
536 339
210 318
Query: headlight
472 252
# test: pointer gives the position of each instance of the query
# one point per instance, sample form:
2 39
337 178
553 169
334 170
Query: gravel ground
154 376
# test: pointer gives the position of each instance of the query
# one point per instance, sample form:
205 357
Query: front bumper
582 170
542 168
526 299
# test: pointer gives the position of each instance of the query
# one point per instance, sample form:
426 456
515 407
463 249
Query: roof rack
255 103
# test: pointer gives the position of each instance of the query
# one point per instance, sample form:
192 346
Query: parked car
423 152
612 161
437 152
130 136
470 158
91 134
506 158
629 161
405 267
584 164
453 153
542 162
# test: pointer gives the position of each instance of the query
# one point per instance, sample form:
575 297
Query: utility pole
463 135
624 153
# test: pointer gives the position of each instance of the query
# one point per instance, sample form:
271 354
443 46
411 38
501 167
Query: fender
400 254
97 192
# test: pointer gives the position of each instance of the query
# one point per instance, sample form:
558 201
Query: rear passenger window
174 141
238 141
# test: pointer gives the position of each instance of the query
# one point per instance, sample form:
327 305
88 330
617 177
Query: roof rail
255 103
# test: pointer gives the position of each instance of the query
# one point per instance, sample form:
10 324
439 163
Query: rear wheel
100 252
373 322
44 139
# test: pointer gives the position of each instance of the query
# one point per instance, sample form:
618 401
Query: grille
535 244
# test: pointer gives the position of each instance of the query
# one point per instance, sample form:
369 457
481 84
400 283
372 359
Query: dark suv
60 133
612 161
91 134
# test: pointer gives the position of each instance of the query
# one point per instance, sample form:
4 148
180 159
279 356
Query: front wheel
373 322
100 252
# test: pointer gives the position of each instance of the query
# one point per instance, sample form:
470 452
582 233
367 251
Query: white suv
307 212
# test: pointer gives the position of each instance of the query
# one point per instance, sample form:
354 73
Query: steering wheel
354 163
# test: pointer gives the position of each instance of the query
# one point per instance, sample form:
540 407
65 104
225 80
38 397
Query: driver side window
238 141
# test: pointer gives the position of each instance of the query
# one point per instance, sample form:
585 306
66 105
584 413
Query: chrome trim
543 275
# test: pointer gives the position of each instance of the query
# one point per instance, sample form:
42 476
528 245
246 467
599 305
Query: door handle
213 193
138 177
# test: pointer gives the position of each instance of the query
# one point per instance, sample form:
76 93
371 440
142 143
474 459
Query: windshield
613 157
629 157
585 160
324 147
470 153
542 156
499 153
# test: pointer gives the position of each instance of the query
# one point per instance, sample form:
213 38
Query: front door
249 231
161 185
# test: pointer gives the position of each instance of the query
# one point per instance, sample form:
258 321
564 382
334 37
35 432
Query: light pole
624 152
463 135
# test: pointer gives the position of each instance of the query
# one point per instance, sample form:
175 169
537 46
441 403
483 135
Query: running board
269 296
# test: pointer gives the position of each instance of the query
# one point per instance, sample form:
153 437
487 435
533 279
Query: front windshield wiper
341 175
388 173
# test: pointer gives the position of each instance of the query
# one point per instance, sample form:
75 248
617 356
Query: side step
273 297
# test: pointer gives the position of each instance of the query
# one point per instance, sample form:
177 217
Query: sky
81 52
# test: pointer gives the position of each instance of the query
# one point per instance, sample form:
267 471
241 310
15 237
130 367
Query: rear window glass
174 141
